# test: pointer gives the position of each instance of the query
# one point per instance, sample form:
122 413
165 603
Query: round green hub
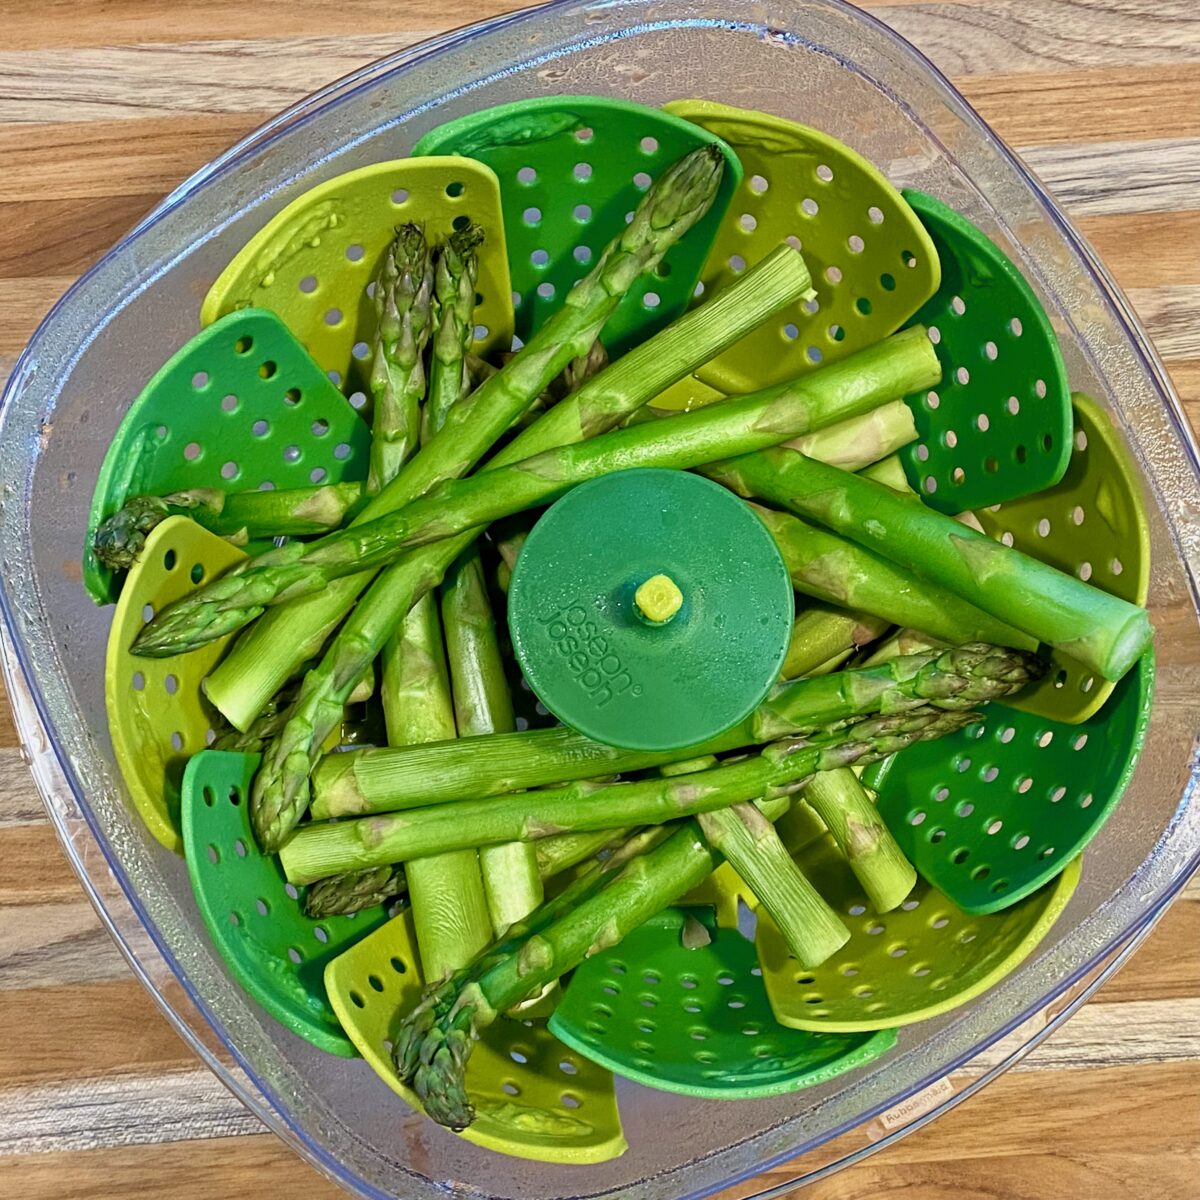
650 609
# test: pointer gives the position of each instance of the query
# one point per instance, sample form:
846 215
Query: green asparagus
449 906
262 660
748 840
482 703
370 781
859 442
327 848
435 1040
821 633
856 384
238 517
601 403
837 571
874 855
1101 631
456 272
558 854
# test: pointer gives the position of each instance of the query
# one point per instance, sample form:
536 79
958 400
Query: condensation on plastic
819 62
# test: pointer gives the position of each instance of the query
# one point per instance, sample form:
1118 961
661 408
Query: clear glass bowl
818 61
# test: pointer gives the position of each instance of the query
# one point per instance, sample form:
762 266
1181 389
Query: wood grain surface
105 105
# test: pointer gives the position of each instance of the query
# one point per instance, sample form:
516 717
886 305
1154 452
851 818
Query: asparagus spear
890 472
821 633
874 855
390 780
951 681
261 661
482 703
403 293
435 1040
509 547
414 1037
327 848
838 571
903 641
748 840
449 907
355 890
236 516
856 384
1103 632
266 725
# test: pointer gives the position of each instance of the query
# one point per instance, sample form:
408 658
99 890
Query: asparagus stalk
579 370
876 859
236 516
565 850
416 705
482 703
355 890
389 780
1103 632
327 848
601 403
861 441
483 706
890 472
509 547
260 662
266 725
905 361
449 907
403 292
434 1042
838 571
414 1037
821 633
748 840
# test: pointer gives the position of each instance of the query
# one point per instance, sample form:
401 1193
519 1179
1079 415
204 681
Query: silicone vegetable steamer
300 260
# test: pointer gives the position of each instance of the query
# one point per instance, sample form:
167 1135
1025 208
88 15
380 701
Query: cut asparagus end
748 840
874 855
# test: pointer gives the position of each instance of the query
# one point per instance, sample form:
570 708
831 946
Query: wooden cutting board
105 105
